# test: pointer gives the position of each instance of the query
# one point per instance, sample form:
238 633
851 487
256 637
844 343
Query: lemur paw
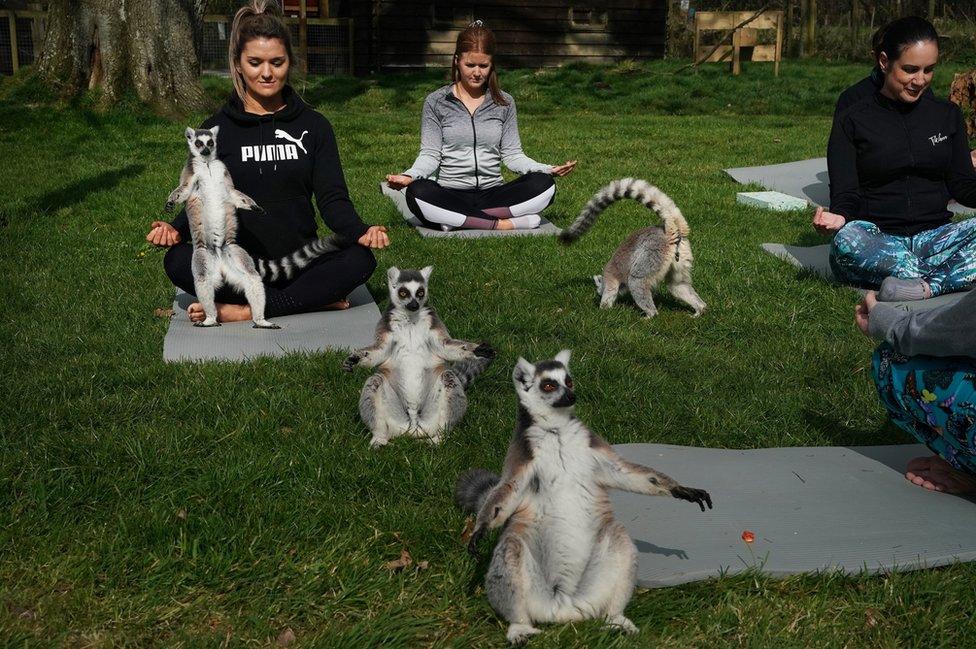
520 633
698 496
484 350
170 205
621 623
351 361
473 542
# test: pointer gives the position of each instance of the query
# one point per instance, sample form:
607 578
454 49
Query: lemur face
547 384
408 288
202 142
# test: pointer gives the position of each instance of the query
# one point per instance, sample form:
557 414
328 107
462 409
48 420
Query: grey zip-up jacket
943 331
464 151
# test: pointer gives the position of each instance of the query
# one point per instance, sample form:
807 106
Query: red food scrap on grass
748 536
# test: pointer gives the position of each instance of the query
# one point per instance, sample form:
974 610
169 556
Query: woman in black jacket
895 158
280 152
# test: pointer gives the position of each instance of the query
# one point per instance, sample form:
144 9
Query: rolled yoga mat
399 199
349 329
815 259
805 179
809 509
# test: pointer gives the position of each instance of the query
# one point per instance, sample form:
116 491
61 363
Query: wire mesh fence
325 44
21 34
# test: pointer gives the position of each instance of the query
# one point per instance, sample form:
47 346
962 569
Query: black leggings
480 209
326 280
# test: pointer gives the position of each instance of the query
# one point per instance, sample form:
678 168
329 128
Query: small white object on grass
777 201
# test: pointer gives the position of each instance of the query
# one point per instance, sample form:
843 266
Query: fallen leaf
163 313
286 637
777 140
870 618
468 529
181 514
398 564
23 613
423 565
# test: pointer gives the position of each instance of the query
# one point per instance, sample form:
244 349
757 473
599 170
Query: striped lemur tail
285 267
639 190
471 488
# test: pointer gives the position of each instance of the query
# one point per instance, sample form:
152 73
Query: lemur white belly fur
568 503
411 356
214 196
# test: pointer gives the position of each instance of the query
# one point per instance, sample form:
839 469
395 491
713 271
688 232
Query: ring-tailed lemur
419 388
647 256
562 556
211 209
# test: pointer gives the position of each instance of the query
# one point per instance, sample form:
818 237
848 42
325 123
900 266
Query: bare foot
936 474
339 305
225 312
504 224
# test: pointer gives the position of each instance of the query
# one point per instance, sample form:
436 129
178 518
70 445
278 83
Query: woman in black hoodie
895 157
280 152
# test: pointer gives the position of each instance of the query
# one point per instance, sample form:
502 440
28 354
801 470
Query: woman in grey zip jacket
468 130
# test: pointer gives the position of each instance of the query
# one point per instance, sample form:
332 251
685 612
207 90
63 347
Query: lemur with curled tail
211 209
562 556
423 372
649 255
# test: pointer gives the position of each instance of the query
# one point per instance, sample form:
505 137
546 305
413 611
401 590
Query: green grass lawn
148 503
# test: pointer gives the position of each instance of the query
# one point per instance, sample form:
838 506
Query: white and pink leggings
519 201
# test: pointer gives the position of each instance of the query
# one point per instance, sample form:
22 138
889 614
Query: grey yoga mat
815 260
400 200
304 332
809 509
806 179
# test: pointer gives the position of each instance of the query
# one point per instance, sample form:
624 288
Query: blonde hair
256 19
476 37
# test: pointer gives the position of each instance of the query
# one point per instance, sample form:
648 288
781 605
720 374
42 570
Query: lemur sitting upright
211 209
649 255
562 556
419 389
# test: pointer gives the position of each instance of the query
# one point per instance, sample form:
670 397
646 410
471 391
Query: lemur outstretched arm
453 350
614 472
240 200
182 191
501 502
370 356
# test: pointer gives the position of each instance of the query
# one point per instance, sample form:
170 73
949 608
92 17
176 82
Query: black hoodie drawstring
261 149
274 131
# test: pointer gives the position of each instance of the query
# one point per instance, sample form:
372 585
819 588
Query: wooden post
736 56
697 44
303 33
14 56
779 43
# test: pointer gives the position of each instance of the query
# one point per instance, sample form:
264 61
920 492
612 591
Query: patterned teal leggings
932 399
945 257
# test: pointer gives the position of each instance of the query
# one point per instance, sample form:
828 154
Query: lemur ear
213 131
189 132
563 357
426 271
523 373
392 275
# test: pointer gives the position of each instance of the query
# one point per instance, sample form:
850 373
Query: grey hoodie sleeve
511 147
948 330
431 140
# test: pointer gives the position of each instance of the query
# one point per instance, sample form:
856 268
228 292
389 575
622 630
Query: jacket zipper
474 151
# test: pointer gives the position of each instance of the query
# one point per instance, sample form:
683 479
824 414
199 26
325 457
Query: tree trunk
148 46
808 27
963 94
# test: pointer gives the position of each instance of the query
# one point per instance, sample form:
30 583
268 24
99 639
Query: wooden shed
404 34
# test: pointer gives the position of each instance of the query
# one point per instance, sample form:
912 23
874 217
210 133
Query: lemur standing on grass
419 388
211 208
649 255
562 556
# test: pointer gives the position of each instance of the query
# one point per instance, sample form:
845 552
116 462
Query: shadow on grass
79 190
